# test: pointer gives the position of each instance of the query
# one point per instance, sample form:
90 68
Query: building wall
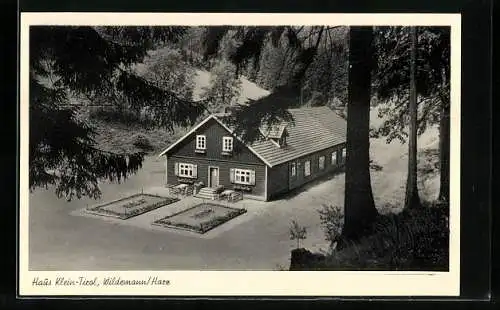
277 182
214 133
300 178
280 179
224 166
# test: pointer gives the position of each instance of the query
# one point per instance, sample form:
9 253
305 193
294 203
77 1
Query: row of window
238 176
227 143
321 163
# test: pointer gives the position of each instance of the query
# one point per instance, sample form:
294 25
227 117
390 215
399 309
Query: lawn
131 206
200 218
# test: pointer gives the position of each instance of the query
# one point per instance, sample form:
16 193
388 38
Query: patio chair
197 186
188 190
172 190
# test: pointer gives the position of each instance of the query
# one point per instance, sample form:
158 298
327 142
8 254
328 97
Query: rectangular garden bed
200 218
131 206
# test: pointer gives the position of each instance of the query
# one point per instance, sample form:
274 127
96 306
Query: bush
142 142
332 219
411 240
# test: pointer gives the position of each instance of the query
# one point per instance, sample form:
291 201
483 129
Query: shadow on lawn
306 186
326 177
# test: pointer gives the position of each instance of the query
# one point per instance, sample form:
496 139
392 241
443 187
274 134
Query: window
294 169
334 158
243 176
186 170
344 154
201 142
321 162
227 144
307 168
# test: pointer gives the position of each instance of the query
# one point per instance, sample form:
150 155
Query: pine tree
412 199
90 61
359 207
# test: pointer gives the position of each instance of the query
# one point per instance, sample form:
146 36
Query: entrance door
213 177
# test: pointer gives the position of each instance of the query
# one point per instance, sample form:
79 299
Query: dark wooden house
287 156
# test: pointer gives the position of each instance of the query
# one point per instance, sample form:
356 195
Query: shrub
332 219
142 142
411 240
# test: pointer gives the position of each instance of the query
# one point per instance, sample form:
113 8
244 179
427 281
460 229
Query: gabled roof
214 117
274 132
314 129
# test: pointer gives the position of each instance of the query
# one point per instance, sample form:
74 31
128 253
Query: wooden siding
214 133
258 190
300 178
277 180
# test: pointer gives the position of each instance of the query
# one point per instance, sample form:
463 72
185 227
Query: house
286 157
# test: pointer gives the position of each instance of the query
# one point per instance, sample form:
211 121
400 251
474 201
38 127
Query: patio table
181 187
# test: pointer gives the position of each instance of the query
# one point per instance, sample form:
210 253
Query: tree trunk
412 200
444 145
359 208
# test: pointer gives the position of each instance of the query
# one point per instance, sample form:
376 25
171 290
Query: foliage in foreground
67 62
411 240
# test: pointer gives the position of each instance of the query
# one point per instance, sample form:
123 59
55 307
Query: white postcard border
251 283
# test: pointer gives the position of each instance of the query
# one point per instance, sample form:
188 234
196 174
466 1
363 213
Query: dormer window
201 143
276 134
227 144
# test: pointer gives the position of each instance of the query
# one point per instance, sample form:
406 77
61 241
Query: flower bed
131 206
200 218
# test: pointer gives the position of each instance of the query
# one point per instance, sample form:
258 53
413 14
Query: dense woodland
147 73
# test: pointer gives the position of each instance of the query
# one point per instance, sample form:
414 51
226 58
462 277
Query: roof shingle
314 129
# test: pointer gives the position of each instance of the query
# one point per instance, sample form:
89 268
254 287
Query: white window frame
199 144
334 158
243 176
307 168
187 170
227 144
294 169
321 164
